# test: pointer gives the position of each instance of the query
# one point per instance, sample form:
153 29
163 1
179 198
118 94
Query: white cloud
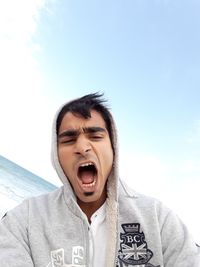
145 173
25 108
151 176
18 23
191 166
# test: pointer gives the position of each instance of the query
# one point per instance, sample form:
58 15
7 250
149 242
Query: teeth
86 164
90 185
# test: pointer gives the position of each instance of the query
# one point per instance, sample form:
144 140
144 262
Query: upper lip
85 163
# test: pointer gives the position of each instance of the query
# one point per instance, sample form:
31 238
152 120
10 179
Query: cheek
109 154
64 159
107 158
63 152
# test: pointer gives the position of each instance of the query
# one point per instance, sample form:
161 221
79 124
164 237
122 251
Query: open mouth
87 174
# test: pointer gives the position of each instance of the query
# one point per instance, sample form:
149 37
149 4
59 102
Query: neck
90 207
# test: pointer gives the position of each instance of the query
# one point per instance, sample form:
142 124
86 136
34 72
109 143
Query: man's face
86 155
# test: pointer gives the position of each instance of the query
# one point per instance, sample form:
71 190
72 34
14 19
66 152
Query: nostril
82 151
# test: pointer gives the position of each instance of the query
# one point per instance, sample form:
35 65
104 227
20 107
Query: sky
142 54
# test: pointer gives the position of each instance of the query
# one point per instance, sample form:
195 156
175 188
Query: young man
94 220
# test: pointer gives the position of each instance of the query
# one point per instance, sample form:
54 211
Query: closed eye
96 137
67 141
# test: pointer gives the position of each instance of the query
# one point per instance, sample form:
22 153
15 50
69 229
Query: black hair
83 106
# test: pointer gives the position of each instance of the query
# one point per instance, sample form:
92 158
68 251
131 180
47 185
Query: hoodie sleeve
14 247
179 248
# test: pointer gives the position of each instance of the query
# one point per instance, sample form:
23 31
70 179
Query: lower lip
88 187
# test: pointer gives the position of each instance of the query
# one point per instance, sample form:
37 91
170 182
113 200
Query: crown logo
131 228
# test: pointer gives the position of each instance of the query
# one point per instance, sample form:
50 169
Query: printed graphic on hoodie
133 247
58 258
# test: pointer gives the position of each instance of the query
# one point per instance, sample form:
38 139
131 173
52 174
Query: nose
82 146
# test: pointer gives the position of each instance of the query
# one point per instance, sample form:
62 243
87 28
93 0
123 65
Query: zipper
92 248
88 250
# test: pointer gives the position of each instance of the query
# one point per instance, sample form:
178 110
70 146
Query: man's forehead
77 122
76 117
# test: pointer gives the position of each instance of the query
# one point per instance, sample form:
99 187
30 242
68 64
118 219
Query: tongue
87 177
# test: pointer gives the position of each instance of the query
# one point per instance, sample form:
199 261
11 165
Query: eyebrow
73 133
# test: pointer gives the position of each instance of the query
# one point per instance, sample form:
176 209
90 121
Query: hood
112 188
112 184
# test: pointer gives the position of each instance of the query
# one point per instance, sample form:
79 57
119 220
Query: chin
89 197
88 194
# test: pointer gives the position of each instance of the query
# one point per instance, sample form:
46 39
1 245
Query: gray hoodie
51 230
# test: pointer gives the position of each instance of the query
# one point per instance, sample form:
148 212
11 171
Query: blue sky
144 55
